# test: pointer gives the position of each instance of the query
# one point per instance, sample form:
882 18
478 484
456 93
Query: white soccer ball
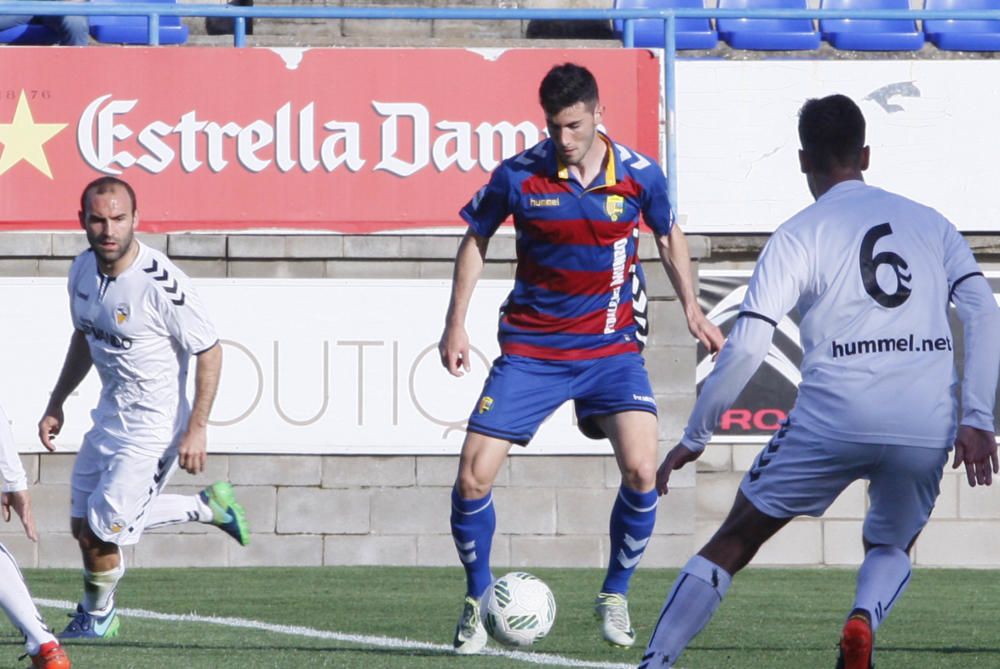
518 609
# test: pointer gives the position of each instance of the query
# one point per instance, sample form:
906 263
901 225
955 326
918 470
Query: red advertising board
353 140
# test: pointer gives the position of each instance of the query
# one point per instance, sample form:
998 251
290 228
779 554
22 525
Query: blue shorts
522 392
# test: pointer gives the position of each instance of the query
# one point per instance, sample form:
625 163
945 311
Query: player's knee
91 543
732 548
639 476
87 540
470 486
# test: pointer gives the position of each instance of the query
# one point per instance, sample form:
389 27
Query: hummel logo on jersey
543 201
163 278
640 162
478 197
908 343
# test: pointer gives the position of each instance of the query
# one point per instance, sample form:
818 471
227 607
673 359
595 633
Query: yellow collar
610 176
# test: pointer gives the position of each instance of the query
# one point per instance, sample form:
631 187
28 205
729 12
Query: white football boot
470 635
611 609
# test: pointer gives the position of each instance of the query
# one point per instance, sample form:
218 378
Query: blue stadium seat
691 33
952 35
28 34
871 34
133 30
767 34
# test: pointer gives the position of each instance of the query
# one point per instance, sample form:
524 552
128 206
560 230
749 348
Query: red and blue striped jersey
577 249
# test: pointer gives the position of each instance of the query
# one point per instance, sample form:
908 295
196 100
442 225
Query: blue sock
632 519
472 524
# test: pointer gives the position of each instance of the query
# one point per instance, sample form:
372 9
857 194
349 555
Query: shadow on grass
799 647
112 645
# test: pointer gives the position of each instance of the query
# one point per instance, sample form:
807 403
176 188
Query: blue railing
239 15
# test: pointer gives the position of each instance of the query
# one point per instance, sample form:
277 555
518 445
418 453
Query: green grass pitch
772 619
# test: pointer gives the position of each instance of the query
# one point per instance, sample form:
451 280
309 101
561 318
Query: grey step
313 40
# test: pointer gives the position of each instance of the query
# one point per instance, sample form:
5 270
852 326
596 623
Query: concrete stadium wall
393 510
332 510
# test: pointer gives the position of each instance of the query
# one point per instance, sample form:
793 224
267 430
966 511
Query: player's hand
454 350
706 332
678 456
977 450
49 426
192 453
20 501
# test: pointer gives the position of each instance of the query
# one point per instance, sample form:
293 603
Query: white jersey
142 327
11 469
871 274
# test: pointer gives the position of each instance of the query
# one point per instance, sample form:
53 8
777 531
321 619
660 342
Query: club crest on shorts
117 525
614 207
122 313
485 404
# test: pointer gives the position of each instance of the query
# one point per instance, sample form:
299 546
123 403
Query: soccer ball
518 609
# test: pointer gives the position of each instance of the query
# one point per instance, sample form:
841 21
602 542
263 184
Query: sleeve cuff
978 420
206 348
16 485
693 445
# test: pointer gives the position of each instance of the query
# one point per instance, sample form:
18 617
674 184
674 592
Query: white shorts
800 474
114 485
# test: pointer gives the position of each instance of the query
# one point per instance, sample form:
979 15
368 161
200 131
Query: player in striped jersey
138 321
568 330
871 274
15 600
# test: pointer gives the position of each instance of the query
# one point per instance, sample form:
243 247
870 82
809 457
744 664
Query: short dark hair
105 185
832 132
564 86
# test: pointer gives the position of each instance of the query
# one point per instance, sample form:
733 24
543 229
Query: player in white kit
871 274
15 600
137 320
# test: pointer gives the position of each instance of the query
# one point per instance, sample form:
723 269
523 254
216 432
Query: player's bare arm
454 345
678 456
977 450
74 370
676 259
193 450
20 502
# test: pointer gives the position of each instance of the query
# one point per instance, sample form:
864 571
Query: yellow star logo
22 139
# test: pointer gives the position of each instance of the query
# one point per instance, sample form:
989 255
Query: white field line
360 639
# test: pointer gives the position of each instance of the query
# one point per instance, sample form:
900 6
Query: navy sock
632 519
473 522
